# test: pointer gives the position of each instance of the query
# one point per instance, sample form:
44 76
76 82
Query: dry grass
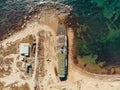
5 62
19 64
25 87
11 49
1 86
22 87
29 39
40 66
8 61
41 54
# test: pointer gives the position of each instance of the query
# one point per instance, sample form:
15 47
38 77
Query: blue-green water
98 29
97 25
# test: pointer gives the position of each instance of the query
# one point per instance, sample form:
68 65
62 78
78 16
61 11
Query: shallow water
98 29
102 36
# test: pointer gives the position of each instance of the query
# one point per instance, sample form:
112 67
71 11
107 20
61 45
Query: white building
24 49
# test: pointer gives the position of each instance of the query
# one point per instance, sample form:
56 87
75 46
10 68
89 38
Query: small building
24 49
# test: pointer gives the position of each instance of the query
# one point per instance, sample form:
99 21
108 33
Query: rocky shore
17 17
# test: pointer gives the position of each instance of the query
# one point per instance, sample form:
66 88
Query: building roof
24 49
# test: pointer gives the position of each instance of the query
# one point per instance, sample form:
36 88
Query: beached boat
62 51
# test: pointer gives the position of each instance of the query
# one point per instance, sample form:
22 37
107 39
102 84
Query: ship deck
61 50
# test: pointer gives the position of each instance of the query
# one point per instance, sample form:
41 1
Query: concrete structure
24 49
